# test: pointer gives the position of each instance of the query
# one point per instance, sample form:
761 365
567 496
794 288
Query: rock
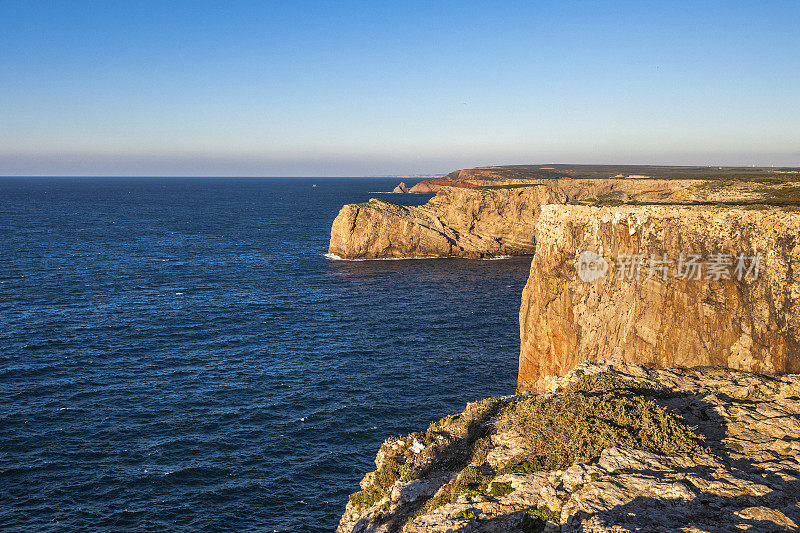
433 186
417 446
427 187
643 467
456 222
746 477
400 188
483 218
749 324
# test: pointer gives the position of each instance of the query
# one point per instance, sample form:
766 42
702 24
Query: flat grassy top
545 171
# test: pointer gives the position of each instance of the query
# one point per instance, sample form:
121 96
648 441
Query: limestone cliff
608 448
641 311
655 317
481 221
660 326
456 222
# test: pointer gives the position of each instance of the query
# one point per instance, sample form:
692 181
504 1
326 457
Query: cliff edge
658 384
499 217
609 447
456 222
695 272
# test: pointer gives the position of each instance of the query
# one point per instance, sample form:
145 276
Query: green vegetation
549 171
499 489
595 412
465 514
592 413
469 481
401 463
384 478
535 520
514 186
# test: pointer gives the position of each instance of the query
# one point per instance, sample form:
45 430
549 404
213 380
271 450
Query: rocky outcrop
456 222
660 350
657 450
400 188
721 312
433 186
479 220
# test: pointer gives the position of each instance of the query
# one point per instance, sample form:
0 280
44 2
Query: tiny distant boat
314 185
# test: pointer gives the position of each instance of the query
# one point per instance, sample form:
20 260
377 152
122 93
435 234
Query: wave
334 257
392 192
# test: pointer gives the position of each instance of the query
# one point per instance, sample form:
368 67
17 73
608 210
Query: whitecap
334 257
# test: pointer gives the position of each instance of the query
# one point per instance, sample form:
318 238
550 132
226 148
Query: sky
352 88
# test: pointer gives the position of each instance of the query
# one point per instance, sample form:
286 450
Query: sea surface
179 354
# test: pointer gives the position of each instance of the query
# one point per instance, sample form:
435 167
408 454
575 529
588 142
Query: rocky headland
498 214
609 447
658 385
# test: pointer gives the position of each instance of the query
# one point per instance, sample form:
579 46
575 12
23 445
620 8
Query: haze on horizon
350 88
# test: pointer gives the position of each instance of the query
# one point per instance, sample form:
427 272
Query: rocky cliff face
609 447
456 222
483 221
632 282
641 310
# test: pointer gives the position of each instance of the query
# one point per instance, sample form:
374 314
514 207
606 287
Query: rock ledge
735 464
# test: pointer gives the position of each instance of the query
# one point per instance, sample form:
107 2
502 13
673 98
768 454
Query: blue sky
369 88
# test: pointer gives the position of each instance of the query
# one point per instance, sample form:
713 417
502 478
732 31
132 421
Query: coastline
635 214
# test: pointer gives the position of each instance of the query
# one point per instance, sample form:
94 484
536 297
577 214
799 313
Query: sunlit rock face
495 218
456 222
737 318
732 318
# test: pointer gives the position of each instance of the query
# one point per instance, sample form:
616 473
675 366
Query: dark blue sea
179 354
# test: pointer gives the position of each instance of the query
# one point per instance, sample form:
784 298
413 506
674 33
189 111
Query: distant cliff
747 323
483 221
456 222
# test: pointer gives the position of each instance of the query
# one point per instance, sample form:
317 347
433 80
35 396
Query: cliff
641 310
456 222
484 221
735 316
607 448
657 314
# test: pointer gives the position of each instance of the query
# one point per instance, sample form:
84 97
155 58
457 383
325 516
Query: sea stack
401 188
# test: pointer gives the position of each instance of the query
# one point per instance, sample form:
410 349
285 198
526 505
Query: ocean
180 354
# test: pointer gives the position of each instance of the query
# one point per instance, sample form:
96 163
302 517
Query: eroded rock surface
456 222
641 310
744 477
482 218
